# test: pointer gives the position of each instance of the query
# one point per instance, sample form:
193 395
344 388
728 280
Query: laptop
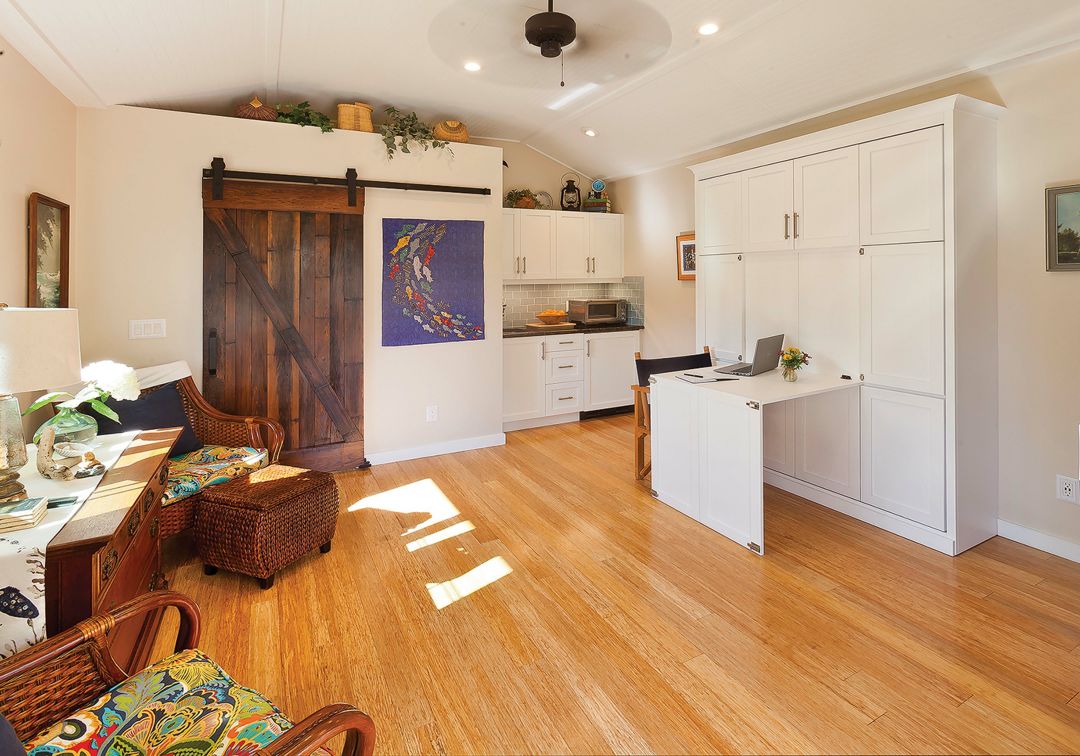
766 358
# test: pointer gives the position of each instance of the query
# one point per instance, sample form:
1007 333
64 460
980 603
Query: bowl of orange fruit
551 317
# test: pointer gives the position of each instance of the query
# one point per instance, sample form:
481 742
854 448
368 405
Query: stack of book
25 513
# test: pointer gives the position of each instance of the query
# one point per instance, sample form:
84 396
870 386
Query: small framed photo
686 251
1063 228
47 252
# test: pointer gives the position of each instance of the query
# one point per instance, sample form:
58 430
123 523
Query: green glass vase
71 425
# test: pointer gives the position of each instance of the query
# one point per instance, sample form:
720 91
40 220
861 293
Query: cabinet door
720 297
827 441
719 215
675 445
829 310
772 292
606 244
903 316
902 188
510 255
524 395
778 437
767 207
827 200
610 370
572 256
903 454
537 243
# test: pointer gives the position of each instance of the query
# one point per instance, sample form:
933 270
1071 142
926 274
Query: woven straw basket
354 116
451 131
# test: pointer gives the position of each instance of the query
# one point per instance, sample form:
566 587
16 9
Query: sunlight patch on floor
421 497
444 594
451 531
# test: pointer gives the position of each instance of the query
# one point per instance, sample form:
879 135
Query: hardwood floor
580 615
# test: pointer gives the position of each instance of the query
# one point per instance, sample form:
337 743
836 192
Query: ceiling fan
551 32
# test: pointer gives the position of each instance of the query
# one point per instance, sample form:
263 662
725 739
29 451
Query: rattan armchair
49 681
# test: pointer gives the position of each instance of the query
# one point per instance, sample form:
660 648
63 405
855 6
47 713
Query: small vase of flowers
792 359
103 380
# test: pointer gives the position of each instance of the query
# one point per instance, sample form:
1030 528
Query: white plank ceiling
640 75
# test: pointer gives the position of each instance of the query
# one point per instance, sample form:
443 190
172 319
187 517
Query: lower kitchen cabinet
827 448
524 379
610 369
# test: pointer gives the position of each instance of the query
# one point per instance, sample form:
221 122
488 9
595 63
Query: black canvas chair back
645 368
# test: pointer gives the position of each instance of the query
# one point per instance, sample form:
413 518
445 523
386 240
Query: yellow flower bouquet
792 358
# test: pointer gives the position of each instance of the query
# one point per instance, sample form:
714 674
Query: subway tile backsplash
524 300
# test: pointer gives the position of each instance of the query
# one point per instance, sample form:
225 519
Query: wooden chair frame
642 427
51 680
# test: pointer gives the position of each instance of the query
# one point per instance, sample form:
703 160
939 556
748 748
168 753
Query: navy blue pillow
161 408
9 741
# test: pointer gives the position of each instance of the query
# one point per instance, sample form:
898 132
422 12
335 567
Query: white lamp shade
39 349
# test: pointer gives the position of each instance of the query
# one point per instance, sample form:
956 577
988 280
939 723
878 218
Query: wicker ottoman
257 524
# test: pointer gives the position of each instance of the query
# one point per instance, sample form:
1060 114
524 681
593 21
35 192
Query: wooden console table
109 551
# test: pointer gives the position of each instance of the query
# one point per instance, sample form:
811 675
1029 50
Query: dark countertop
515 333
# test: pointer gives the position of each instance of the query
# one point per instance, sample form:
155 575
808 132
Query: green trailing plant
408 128
514 198
303 114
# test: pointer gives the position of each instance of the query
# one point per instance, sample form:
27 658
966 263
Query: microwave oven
597 311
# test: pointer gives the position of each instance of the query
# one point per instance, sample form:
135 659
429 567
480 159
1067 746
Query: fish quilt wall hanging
433 281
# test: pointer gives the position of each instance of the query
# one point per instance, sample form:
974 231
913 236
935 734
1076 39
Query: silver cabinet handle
565 398
795 225
588 347
525 265
543 350
565 342
517 265
787 221
564 367
586 265
594 265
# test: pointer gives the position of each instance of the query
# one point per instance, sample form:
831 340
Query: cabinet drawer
564 343
563 367
139 515
124 578
564 398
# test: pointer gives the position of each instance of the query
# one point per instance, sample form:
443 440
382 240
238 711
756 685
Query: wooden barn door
283 314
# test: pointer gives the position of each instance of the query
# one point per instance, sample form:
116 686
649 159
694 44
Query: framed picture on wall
686 252
47 252
1063 228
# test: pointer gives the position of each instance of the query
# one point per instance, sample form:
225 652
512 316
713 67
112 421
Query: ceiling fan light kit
550 31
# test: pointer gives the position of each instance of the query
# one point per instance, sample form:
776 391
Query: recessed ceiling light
589 132
472 66
708 29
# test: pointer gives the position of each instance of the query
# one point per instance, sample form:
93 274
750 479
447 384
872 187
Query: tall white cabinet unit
872 246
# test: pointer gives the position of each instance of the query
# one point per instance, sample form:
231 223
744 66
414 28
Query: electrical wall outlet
1067 488
432 413
146 329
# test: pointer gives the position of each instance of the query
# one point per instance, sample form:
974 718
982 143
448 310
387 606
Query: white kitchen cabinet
719 215
537 236
902 317
720 297
573 258
902 188
903 454
778 436
524 379
767 208
827 441
565 398
511 258
772 304
827 200
610 370
829 310
605 244
564 367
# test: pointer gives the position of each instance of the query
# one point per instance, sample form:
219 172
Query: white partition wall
850 241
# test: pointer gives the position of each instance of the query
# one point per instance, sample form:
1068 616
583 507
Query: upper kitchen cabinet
573 258
902 188
826 209
719 214
767 208
537 243
511 252
606 244
550 245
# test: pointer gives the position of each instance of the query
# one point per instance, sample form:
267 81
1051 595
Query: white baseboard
1041 541
540 422
434 450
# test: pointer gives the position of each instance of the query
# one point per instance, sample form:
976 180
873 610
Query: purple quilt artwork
433 281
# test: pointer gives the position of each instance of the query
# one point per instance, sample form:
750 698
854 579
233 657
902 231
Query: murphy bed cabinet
553 245
873 247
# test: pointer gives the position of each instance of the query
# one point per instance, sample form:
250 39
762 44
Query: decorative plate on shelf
544 201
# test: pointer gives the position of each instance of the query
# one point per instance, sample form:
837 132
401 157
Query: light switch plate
146 329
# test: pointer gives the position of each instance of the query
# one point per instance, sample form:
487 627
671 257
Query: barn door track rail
217 174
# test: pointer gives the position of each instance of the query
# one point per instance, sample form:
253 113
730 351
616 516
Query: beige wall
529 169
1038 312
141 234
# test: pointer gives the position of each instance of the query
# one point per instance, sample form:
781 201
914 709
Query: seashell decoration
256 110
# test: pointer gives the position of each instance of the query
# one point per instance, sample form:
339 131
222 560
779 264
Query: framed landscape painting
47 252
1063 228
686 250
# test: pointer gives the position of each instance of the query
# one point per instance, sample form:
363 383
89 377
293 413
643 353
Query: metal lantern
571 194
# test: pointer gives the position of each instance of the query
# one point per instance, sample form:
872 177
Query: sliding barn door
283 315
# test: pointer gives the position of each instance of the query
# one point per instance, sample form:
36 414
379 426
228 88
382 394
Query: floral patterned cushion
208 466
184 705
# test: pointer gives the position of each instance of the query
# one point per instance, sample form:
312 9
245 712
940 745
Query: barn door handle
211 357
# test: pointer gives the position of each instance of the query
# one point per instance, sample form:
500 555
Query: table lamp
39 349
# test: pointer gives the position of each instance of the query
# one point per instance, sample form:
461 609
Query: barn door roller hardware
217 173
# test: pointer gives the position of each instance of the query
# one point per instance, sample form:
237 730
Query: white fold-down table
707 447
